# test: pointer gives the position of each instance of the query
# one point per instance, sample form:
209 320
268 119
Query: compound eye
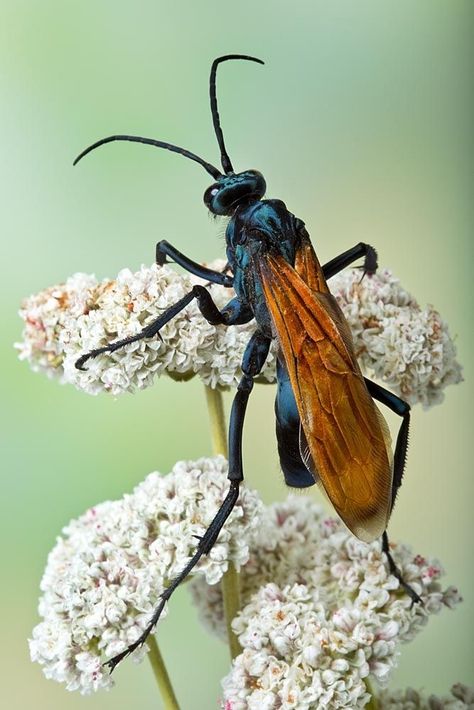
210 193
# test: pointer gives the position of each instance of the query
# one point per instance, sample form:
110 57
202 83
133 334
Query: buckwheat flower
461 697
321 605
297 543
105 574
62 324
302 651
304 661
407 348
46 315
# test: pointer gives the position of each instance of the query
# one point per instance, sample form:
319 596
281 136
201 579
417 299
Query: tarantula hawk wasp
328 428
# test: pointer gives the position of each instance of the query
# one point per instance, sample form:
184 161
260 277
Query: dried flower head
407 348
461 697
105 574
322 612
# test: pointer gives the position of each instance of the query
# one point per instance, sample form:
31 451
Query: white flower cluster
461 697
407 348
322 612
298 543
66 321
104 577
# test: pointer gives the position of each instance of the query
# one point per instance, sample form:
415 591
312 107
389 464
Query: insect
329 430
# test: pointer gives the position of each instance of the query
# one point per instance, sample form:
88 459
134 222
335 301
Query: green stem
161 675
215 407
231 594
230 581
372 704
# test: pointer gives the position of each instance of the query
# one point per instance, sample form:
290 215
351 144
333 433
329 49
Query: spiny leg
348 257
164 249
205 545
415 598
148 332
233 312
402 408
253 361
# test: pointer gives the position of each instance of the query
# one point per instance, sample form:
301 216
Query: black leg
148 332
164 249
402 408
205 545
253 361
233 312
415 598
340 262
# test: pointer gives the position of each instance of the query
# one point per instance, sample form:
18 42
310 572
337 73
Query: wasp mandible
329 430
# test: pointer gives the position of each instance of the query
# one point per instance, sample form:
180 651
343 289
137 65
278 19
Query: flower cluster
104 577
460 698
298 544
408 348
68 320
322 612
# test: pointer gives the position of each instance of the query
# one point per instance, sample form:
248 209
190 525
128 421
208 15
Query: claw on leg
415 598
113 662
204 547
150 331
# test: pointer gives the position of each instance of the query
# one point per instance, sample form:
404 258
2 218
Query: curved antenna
225 160
216 174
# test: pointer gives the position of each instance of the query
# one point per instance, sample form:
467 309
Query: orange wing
347 439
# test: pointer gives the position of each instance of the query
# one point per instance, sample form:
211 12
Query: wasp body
329 429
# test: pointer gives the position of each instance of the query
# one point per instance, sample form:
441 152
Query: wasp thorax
231 190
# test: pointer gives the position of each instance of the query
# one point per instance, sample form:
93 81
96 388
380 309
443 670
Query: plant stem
161 675
230 581
231 594
372 704
215 407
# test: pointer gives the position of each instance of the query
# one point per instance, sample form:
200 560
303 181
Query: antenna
216 174
225 160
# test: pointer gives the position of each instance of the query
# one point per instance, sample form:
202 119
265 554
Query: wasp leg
234 312
164 249
415 598
253 361
402 408
360 250
204 546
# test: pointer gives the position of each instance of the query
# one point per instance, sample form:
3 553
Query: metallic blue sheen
288 426
258 227
229 190
255 228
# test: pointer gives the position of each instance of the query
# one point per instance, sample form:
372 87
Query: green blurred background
361 121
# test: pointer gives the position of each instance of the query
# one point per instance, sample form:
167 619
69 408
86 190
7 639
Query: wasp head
231 190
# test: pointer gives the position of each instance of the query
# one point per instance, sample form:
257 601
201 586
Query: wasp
329 430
